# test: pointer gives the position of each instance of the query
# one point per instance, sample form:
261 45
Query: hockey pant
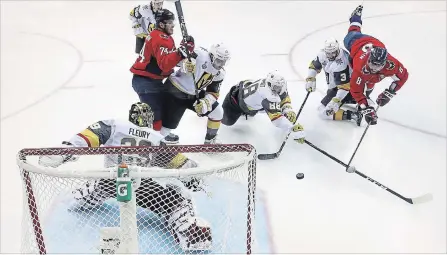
139 42
150 91
176 102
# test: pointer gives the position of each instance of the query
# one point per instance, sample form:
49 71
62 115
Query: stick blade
267 156
422 199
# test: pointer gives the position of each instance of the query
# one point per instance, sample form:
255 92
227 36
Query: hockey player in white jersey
270 95
335 63
166 200
199 95
143 21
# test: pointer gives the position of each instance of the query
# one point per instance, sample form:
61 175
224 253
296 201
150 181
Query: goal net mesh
73 207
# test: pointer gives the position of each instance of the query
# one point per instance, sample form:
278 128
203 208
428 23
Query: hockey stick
276 154
181 19
358 144
417 200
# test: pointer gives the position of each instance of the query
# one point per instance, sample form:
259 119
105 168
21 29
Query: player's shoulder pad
322 57
220 75
267 93
145 10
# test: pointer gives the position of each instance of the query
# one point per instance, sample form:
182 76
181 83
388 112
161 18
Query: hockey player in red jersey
156 61
371 63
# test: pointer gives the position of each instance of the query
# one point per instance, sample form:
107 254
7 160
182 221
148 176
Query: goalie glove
57 160
298 133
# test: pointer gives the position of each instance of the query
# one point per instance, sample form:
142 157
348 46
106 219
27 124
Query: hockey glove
186 46
311 84
385 97
370 114
298 133
333 106
291 116
202 106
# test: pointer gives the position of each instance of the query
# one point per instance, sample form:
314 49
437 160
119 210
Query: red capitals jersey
361 76
158 56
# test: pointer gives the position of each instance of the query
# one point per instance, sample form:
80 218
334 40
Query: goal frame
151 172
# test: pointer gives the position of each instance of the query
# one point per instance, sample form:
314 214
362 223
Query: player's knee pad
217 113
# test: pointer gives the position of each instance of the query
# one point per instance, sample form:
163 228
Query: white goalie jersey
143 19
206 76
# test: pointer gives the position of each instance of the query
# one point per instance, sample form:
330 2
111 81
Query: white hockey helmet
331 48
157 5
276 82
219 54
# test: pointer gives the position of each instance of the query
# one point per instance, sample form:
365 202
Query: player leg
174 105
175 205
231 110
139 42
150 91
340 114
354 31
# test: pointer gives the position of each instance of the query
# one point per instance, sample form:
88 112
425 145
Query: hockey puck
299 176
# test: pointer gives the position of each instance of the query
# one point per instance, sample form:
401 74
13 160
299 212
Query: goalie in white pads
143 21
207 67
270 95
335 63
169 201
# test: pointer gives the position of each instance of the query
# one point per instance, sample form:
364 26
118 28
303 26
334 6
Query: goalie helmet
141 115
156 5
331 48
219 55
276 82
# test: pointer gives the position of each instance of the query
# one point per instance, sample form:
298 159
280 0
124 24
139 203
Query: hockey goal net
140 205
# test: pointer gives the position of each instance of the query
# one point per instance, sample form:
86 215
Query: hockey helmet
157 5
219 55
141 115
164 15
331 48
276 82
377 59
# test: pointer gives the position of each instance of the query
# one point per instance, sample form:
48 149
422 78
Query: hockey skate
213 140
356 15
171 139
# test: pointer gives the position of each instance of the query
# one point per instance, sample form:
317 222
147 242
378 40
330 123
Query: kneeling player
269 95
167 201
335 64
199 95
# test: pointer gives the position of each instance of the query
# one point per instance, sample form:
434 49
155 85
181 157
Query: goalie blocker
168 201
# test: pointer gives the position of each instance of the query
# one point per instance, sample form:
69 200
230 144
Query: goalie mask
331 48
141 115
276 82
219 55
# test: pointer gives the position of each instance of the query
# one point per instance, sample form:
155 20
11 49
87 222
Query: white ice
65 65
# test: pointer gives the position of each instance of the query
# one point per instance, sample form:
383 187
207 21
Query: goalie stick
350 169
181 19
276 154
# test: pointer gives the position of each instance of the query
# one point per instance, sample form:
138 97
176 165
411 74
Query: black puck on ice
299 176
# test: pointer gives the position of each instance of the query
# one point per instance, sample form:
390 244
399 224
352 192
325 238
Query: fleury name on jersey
335 64
177 208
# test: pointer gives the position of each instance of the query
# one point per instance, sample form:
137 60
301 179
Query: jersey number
129 141
142 49
204 80
250 88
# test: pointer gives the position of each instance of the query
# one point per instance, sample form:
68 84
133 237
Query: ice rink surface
65 65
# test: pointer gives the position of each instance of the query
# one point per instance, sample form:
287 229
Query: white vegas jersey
337 72
116 133
205 74
144 16
256 96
